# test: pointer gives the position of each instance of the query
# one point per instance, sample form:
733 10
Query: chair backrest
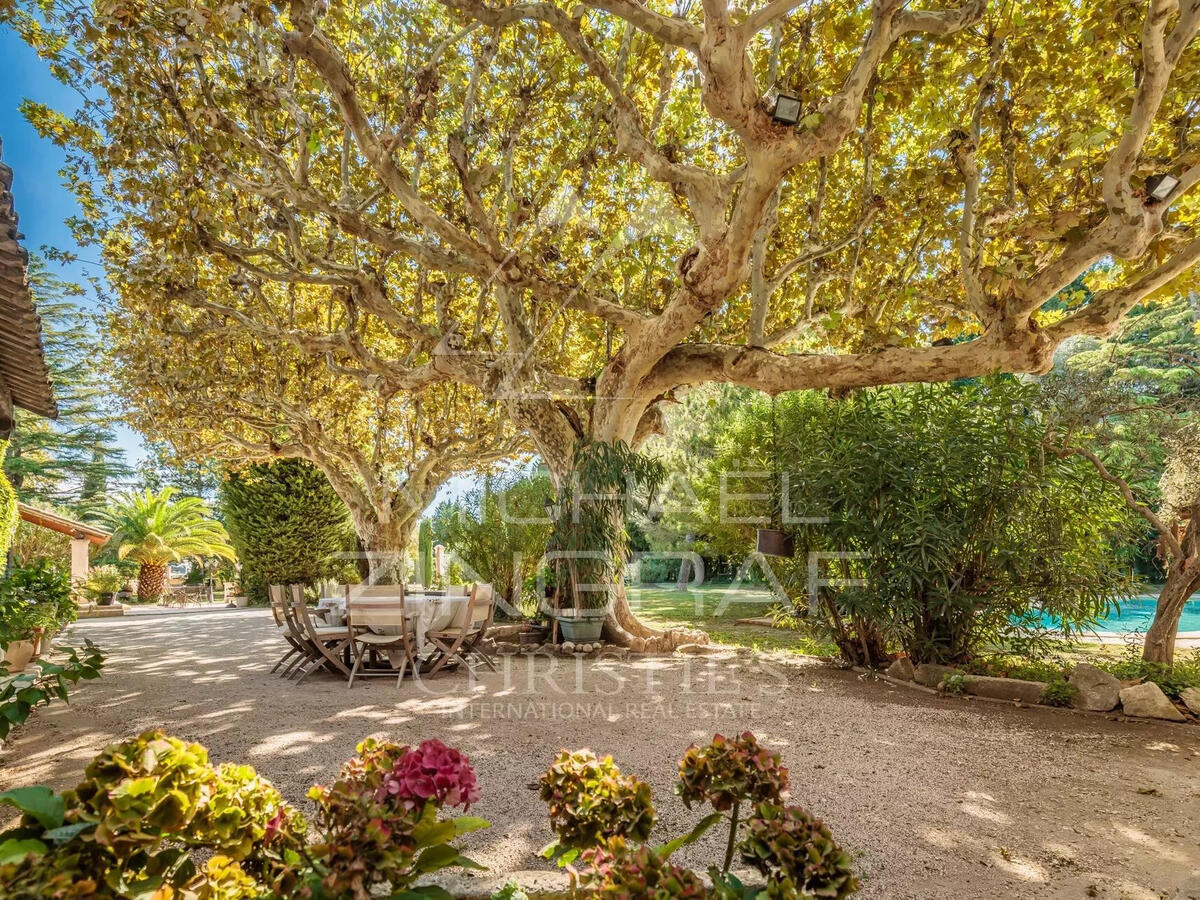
275 592
456 590
482 605
294 625
365 613
299 611
382 591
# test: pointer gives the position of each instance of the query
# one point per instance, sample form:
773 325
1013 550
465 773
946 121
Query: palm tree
152 530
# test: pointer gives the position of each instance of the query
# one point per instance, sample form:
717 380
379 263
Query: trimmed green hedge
286 523
8 510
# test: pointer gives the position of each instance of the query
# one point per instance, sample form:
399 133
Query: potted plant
589 539
103 583
581 625
35 601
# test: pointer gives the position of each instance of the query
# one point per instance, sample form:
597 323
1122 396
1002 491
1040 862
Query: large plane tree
579 209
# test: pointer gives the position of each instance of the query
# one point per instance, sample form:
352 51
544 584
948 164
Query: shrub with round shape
618 872
729 771
797 854
591 802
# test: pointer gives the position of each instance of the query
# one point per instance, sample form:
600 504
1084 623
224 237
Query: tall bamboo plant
589 542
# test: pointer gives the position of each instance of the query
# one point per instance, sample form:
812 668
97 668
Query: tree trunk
386 546
1183 579
152 581
685 565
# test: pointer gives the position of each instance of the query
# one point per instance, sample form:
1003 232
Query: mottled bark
1182 582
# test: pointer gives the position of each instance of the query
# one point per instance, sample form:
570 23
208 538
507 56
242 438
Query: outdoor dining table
427 611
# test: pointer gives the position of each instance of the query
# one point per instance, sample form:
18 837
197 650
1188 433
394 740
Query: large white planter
18 655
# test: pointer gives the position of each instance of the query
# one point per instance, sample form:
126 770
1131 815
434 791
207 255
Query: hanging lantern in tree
775 541
1159 187
787 109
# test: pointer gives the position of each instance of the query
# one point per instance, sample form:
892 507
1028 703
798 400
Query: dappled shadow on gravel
936 797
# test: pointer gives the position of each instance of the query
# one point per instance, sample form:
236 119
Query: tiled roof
22 362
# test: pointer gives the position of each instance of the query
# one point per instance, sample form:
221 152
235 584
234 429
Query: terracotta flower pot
18 655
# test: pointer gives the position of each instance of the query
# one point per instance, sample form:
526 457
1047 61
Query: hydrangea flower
431 771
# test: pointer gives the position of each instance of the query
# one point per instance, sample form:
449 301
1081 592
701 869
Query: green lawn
715 608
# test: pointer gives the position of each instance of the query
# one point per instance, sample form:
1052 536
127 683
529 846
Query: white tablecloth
425 613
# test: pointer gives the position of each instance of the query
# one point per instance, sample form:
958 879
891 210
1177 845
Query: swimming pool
1136 614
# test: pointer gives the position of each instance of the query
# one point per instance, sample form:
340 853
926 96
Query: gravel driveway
935 797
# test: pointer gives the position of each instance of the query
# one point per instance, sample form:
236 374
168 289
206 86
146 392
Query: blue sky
38 193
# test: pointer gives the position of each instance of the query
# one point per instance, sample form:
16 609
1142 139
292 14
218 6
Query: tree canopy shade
574 212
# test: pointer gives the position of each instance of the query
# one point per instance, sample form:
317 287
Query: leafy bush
606 819
591 802
129 829
1174 679
962 528
22 693
499 534
103 581
617 871
35 599
797 854
286 523
1058 692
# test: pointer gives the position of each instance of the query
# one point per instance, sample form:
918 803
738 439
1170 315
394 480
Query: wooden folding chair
329 641
362 615
296 645
462 641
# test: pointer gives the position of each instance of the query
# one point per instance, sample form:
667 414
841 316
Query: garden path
936 797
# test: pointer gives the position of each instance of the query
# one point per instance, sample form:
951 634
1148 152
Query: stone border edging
1110 715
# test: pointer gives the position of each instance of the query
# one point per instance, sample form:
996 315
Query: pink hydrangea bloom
431 772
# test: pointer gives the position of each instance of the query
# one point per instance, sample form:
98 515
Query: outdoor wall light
1159 186
787 109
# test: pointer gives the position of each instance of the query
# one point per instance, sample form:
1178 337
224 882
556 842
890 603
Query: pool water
1136 614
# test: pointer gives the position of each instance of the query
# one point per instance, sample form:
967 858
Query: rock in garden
902 669
1006 688
1147 701
1095 689
931 675
568 647
698 649
1191 699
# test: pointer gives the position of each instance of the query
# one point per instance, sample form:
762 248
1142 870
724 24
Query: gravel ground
935 797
